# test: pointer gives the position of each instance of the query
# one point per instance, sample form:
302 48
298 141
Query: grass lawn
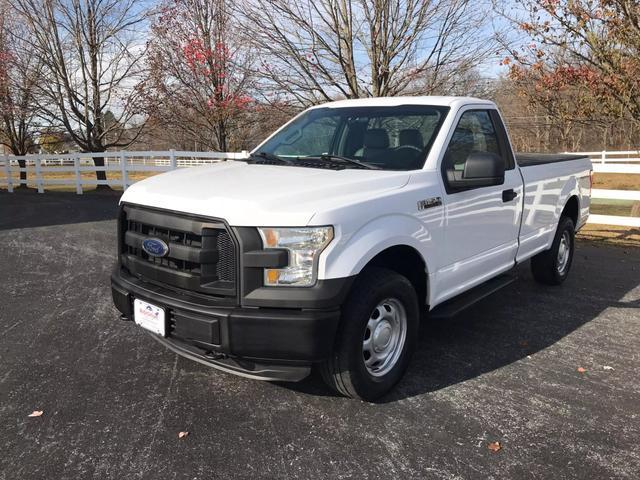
610 235
616 181
70 176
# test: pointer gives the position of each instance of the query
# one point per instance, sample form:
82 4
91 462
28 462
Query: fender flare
356 249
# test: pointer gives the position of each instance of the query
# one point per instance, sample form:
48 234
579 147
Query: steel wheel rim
384 337
564 250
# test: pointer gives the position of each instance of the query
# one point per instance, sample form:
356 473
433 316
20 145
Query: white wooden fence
37 166
124 163
624 162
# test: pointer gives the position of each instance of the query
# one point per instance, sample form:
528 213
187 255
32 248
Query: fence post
7 169
39 179
172 157
76 166
603 157
125 174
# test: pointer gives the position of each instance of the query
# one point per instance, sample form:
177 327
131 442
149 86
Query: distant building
54 142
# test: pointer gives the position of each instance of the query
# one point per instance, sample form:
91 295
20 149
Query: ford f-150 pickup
335 236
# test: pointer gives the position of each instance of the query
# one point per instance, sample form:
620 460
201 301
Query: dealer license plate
149 316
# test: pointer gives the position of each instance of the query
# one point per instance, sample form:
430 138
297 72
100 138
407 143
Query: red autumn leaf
581 370
494 447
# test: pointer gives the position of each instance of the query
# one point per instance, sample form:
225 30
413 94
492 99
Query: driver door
481 223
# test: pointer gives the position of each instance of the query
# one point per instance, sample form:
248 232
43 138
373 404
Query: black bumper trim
255 371
266 336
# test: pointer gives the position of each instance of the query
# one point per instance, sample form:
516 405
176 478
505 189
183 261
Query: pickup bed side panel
547 190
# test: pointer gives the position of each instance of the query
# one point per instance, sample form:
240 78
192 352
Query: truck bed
531 159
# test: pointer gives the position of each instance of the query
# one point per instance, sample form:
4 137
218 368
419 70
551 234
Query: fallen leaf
523 343
581 370
607 367
36 413
182 434
494 447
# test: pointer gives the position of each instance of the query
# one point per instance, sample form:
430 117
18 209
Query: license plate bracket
150 317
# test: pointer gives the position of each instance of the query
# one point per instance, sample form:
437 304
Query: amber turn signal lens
271 239
272 276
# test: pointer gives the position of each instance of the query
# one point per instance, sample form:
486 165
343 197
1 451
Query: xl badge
429 203
155 247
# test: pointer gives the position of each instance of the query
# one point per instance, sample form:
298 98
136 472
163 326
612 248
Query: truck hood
261 195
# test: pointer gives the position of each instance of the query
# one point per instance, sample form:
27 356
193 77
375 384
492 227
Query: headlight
304 245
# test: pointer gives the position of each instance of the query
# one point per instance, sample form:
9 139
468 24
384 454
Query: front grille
202 255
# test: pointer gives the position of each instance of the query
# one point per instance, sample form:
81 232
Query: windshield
389 138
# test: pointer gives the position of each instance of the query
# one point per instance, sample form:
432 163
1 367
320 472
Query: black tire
345 370
546 265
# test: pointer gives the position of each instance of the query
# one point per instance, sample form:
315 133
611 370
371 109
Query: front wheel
552 267
376 337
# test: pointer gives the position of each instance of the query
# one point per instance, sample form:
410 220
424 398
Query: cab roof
450 101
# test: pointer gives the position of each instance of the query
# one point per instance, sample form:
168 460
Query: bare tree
91 51
19 75
317 50
200 80
599 39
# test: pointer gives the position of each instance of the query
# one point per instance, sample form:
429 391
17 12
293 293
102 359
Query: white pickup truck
330 241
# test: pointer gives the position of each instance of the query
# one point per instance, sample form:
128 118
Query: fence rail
618 156
122 163
40 168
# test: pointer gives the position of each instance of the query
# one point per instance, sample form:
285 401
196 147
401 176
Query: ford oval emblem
155 247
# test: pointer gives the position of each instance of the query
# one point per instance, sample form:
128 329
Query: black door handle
508 195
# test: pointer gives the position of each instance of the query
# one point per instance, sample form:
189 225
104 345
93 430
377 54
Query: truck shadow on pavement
515 323
26 208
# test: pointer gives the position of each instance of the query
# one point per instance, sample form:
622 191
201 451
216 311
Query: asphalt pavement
551 373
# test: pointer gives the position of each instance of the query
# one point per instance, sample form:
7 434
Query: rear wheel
376 337
552 266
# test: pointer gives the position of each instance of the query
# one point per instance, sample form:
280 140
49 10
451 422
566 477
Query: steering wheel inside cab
405 157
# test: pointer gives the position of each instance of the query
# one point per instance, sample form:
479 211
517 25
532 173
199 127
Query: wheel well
408 262
572 210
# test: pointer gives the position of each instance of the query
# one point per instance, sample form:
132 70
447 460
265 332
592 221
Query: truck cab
327 244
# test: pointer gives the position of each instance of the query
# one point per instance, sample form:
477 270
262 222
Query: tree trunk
222 136
100 175
23 174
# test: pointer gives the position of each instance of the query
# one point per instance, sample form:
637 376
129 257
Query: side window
474 133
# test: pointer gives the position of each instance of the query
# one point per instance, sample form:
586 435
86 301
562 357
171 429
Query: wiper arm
271 157
326 156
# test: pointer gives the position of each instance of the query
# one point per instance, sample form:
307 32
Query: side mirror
482 169
483 165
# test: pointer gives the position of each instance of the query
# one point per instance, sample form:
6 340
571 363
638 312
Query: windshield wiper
271 157
326 156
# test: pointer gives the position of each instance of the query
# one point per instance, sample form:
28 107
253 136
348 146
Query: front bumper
274 343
